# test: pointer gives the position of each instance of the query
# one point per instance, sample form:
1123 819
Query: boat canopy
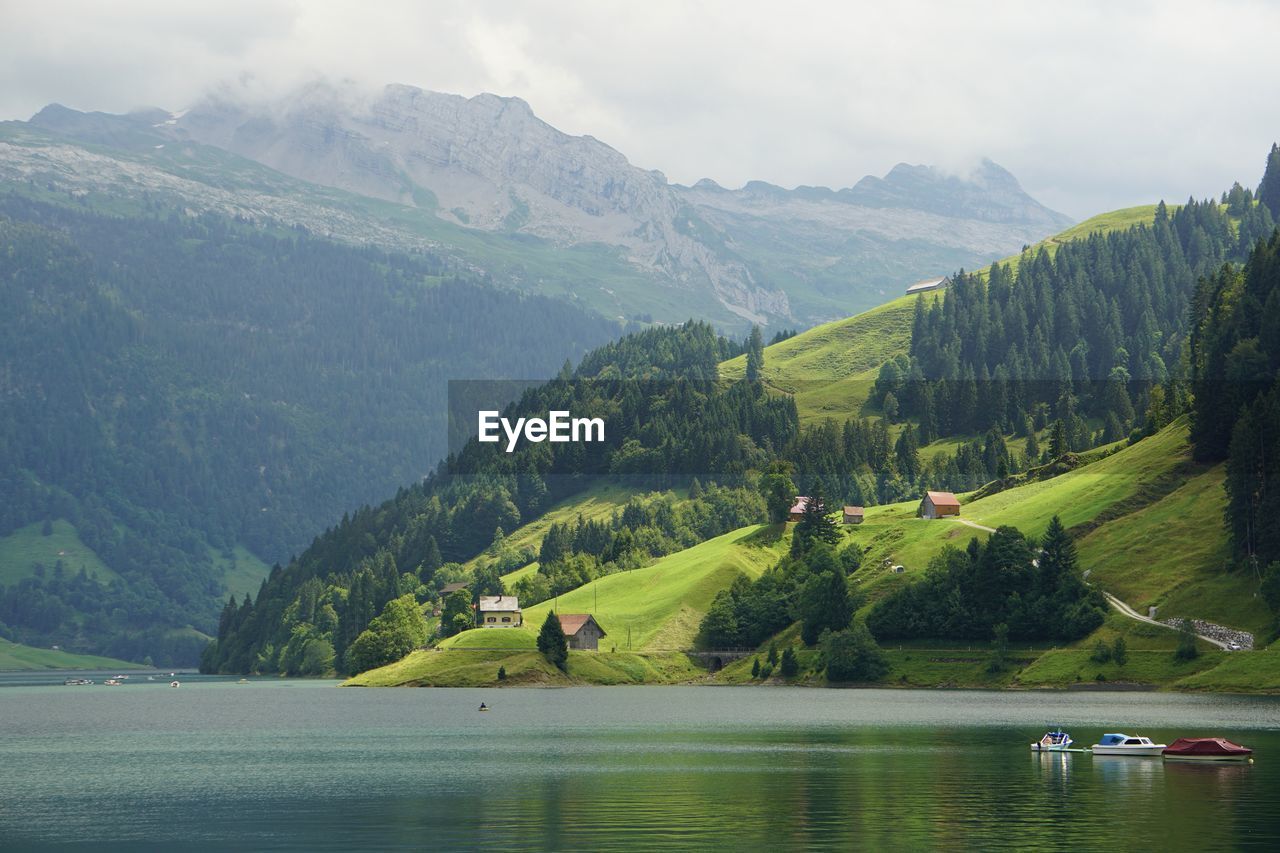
1112 739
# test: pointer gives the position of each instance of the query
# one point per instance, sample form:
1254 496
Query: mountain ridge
487 164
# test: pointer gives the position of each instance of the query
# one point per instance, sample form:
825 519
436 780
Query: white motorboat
175 684
1055 741
1122 744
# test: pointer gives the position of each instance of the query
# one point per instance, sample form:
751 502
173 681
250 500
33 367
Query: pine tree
790 664
755 355
815 525
755 668
552 642
1269 189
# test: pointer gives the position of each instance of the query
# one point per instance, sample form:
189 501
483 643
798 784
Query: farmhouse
582 630
499 611
797 509
853 514
939 505
928 284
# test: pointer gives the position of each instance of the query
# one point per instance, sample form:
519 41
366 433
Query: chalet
853 514
499 611
582 630
939 505
450 588
928 284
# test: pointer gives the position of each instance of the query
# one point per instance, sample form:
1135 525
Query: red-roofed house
939 505
582 630
797 509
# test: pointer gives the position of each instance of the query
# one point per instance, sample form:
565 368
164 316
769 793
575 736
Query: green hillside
24 548
662 605
1148 527
15 657
829 368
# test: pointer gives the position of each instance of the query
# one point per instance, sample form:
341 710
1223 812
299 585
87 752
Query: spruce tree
552 642
815 525
1269 189
755 355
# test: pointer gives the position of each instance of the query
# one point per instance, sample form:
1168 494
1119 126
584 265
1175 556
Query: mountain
486 169
190 398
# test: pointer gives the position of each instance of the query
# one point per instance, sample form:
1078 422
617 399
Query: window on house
506 618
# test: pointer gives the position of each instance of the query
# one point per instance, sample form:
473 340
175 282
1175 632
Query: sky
1092 105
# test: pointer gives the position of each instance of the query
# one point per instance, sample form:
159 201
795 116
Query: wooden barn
939 505
853 514
582 631
928 284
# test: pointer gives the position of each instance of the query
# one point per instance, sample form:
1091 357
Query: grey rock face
766 254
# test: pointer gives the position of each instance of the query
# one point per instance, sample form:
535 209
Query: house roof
854 510
943 499
572 623
927 284
499 602
800 504
451 588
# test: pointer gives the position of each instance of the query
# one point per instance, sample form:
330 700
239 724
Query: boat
111 682
77 682
1055 741
1207 749
175 684
1122 744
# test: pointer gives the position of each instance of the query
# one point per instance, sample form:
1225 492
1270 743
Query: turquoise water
297 765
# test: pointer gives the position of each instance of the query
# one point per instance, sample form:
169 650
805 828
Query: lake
302 765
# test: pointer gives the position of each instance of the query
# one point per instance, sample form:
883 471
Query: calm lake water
297 765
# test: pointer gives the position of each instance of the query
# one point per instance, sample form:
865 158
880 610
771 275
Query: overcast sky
1092 105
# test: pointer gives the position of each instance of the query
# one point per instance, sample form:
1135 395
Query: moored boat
1206 749
1055 741
1122 744
175 684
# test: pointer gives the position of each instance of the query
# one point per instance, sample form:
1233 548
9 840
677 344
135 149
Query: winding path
1120 606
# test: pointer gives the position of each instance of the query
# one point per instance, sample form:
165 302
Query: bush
852 655
1186 644
502 673
766 671
1120 652
1101 653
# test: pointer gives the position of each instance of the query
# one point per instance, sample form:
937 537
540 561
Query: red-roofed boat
1207 749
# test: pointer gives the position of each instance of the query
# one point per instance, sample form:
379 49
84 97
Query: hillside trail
1120 607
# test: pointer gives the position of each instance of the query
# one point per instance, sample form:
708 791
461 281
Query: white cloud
1093 105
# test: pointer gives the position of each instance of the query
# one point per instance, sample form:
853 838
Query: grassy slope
22 549
598 502
17 657
663 604
829 368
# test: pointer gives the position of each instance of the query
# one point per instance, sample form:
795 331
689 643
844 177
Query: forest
177 386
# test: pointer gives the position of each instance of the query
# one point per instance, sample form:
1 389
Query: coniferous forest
176 387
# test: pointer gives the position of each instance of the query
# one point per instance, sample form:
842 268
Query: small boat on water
77 682
175 684
1055 741
1122 744
1206 749
111 682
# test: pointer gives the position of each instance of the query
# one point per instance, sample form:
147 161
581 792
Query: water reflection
638 768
